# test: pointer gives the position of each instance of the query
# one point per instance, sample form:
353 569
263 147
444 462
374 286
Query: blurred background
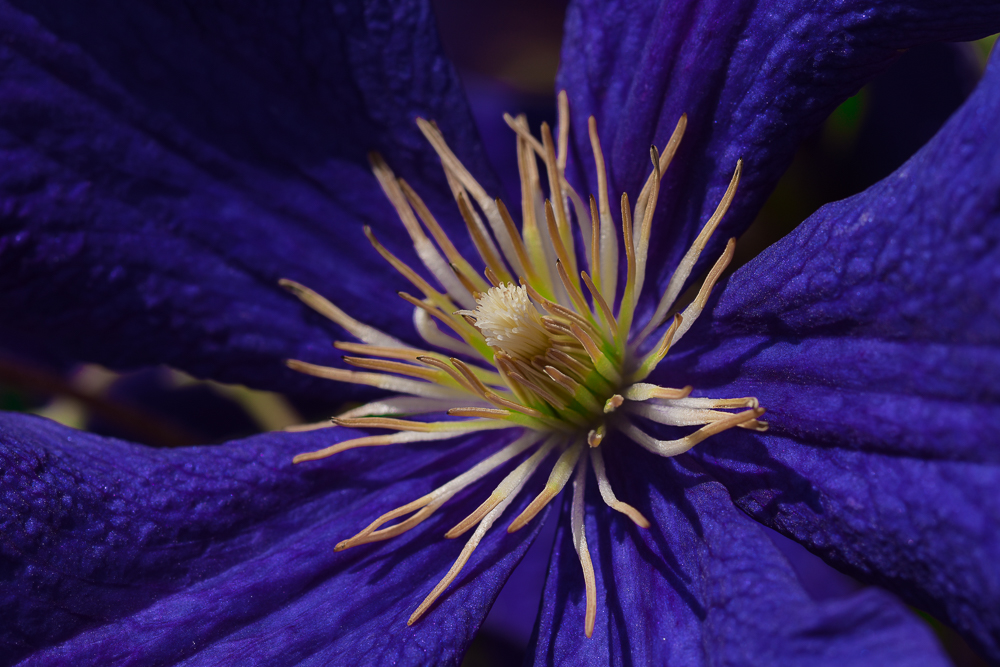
507 53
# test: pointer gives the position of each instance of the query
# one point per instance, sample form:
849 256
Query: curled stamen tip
594 438
613 404
342 545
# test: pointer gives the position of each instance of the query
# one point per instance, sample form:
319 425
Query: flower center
542 346
510 322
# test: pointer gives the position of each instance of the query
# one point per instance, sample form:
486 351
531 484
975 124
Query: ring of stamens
536 346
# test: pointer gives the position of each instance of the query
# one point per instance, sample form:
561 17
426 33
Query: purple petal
164 166
705 585
754 79
120 554
872 336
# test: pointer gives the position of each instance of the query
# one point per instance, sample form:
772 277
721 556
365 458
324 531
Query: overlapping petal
114 553
754 79
872 335
164 165
705 585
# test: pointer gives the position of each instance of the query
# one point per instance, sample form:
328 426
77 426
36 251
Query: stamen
387 382
483 244
512 482
402 353
601 362
303 428
715 403
564 236
571 365
361 331
577 391
423 427
460 326
538 248
428 504
437 298
519 249
555 233
580 544
557 309
683 270
627 306
672 415
606 315
376 441
573 287
396 405
608 275
542 393
643 392
432 335
562 105
604 486
398 367
462 559
664 161
560 474
468 284
594 252
455 259
492 277
692 312
656 355
642 242
460 379
485 413
428 254
681 445
485 202
460 562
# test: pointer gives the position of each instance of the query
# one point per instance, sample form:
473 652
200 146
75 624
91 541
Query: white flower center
509 320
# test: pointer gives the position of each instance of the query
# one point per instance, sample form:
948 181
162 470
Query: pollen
539 345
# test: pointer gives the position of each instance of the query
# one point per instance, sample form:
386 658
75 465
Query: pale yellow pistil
538 346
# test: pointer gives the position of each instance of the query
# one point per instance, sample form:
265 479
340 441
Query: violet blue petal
704 585
753 78
872 336
165 165
114 553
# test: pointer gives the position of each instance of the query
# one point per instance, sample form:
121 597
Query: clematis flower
164 167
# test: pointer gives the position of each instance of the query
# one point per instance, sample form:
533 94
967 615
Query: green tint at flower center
542 341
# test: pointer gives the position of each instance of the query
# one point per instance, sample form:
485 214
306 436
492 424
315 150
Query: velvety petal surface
872 336
164 164
114 553
753 78
704 585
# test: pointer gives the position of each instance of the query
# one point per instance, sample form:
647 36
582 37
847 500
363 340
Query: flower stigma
535 343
